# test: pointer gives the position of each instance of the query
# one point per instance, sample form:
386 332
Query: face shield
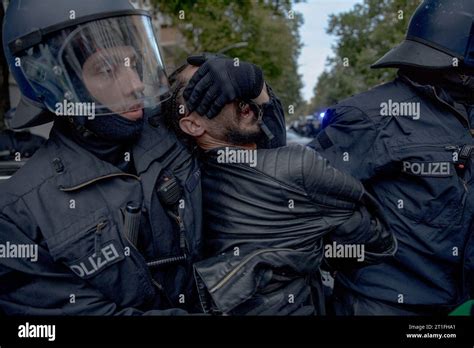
108 66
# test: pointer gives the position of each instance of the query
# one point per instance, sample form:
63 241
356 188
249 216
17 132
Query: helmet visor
112 65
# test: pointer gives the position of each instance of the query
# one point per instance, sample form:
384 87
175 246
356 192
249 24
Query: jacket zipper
447 147
229 275
98 236
147 267
183 244
97 179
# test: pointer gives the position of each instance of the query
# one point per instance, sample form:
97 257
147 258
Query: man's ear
192 125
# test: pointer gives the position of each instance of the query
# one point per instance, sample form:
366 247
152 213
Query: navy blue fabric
430 214
35 209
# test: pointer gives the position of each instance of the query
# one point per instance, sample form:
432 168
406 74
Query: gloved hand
219 82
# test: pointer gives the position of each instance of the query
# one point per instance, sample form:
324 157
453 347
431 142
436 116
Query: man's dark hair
173 105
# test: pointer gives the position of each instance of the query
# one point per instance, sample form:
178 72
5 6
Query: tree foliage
364 34
270 28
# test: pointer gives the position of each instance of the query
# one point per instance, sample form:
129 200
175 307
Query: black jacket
70 204
409 164
265 225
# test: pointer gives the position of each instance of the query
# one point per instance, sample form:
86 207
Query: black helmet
62 53
439 32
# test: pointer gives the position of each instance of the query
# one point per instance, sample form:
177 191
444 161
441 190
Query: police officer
410 142
106 217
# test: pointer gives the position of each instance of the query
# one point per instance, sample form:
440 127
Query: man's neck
209 144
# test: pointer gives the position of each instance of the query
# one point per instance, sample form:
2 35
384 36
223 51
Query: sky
316 43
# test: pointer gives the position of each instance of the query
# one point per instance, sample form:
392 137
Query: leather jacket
267 227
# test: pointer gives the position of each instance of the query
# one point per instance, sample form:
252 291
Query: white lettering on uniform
427 168
96 262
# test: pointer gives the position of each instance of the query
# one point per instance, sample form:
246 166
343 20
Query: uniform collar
430 91
155 142
75 167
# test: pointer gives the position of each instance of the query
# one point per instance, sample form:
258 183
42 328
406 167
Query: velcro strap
324 140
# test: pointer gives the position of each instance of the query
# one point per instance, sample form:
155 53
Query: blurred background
313 52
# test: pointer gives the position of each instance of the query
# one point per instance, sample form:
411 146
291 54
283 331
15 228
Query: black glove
219 82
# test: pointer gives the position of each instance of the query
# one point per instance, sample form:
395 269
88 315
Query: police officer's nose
131 82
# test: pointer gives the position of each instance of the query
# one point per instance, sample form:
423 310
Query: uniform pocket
98 253
427 188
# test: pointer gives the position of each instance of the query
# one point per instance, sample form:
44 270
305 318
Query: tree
364 34
269 27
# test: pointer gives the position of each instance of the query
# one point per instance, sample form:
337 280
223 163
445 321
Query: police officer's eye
134 63
105 70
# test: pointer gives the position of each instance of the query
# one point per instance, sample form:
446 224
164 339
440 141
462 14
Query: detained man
271 216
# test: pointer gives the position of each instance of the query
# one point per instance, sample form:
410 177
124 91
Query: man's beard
237 136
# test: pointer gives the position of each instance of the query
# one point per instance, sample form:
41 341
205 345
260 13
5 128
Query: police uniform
105 218
410 142
412 168
73 208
